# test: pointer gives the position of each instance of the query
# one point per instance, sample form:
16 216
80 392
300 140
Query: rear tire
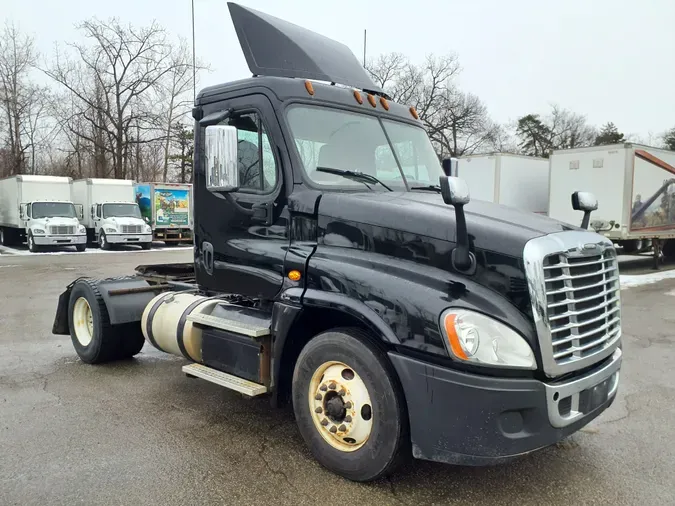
359 427
668 248
5 237
631 246
95 340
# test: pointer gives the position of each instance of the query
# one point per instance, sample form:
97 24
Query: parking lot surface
140 432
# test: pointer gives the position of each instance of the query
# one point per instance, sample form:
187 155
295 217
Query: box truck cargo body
39 210
111 213
167 207
634 185
511 180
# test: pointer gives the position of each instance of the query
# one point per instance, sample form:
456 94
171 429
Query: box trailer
39 210
167 208
511 180
111 214
634 185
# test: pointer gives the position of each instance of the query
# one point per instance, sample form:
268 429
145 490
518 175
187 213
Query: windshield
53 210
121 211
336 139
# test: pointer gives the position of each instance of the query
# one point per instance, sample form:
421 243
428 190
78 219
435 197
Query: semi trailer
111 214
167 208
510 180
397 316
634 183
39 210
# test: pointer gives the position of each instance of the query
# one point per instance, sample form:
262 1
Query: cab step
242 321
223 379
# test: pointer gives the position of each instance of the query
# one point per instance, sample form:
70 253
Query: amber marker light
309 87
453 338
358 97
384 103
371 100
413 113
294 275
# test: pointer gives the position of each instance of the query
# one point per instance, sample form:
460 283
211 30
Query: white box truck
511 180
39 210
111 213
635 188
167 207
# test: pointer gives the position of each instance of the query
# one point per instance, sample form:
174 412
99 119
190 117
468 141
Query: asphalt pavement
140 433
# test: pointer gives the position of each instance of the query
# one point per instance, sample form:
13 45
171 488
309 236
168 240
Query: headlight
478 339
82 229
110 230
38 231
148 229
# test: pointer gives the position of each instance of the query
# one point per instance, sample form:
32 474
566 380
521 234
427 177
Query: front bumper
128 238
59 240
467 419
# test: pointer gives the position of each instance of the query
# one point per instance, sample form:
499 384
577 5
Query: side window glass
98 210
257 167
29 210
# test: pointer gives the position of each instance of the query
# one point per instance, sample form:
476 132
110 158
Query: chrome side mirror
584 201
454 190
220 149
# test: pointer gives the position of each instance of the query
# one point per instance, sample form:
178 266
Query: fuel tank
166 327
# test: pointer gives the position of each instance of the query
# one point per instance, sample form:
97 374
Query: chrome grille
573 278
62 230
132 229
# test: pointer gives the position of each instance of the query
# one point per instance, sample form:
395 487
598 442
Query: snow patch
631 281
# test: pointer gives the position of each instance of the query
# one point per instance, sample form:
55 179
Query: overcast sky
610 60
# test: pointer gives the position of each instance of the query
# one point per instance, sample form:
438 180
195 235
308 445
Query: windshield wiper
430 188
362 177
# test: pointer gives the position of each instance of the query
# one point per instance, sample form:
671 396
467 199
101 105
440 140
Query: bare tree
17 58
569 129
111 77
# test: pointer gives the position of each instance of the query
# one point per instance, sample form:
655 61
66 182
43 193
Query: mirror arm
215 118
586 219
461 255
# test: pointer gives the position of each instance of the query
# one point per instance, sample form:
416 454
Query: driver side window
255 160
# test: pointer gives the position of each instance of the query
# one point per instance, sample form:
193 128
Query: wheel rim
102 240
83 321
2 236
340 406
31 245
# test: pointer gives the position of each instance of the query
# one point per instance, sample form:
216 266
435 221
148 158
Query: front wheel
80 247
146 245
32 247
103 241
348 406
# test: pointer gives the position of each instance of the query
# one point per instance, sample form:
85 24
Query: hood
124 221
55 222
492 227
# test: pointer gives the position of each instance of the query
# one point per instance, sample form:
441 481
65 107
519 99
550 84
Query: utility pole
194 63
364 46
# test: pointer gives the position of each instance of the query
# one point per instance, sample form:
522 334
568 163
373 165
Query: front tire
146 245
32 247
103 241
80 247
349 407
95 340
5 237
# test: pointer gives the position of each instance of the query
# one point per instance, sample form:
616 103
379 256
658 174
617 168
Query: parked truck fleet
49 211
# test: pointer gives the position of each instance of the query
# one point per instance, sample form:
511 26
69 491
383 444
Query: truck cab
111 213
337 267
52 223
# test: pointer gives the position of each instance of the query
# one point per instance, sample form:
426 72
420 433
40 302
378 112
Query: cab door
241 237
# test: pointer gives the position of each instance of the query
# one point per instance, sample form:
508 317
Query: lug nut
332 386
348 418
342 392
333 429
318 410
318 397
342 428
324 422
348 405
323 388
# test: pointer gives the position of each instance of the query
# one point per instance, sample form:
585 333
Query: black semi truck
339 268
